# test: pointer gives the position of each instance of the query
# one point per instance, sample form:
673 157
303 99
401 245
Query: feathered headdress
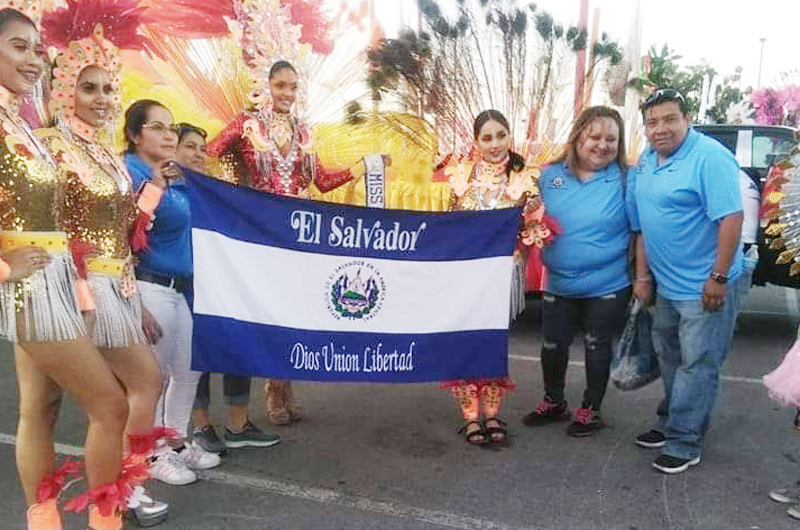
271 30
30 8
89 33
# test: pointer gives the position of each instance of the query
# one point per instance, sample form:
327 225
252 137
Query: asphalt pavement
388 457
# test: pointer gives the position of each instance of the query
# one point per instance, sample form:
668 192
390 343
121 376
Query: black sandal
496 434
472 437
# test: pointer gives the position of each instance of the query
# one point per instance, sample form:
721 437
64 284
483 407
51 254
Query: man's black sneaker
208 440
652 439
672 464
587 422
547 412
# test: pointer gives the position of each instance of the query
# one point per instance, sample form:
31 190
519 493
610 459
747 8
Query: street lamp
761 60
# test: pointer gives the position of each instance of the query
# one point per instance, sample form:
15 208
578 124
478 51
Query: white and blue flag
298 289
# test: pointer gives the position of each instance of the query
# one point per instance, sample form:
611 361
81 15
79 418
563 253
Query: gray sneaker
786 495
208 440
250 436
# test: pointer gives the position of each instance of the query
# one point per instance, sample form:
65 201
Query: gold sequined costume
97 208
43 306
485 186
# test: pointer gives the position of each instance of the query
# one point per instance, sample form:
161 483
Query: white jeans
174 354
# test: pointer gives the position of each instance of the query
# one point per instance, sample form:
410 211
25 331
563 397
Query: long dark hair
135 118
10 15
516 162
585 119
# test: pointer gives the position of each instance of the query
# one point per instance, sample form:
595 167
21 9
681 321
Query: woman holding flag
270 150
498 178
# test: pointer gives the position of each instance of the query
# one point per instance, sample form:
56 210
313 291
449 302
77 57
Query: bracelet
644 279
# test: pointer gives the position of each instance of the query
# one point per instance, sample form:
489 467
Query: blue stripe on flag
231 346
324 228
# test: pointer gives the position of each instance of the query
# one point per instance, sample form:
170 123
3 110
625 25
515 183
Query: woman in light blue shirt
588 286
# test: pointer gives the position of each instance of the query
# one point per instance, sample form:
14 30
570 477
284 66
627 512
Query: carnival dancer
164 274
270 150
40 312
98 206
499 178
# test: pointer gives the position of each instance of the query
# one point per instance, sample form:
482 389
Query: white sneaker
169 468
195 457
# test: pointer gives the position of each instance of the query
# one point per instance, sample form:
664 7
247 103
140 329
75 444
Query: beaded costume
96 203
485 186
251 147
43 306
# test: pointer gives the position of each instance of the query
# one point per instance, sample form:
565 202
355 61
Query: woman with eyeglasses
588 284
239 431
164 275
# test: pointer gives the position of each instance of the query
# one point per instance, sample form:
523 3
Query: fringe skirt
42 307
118 313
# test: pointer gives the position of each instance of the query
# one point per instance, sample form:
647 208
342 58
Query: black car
756 148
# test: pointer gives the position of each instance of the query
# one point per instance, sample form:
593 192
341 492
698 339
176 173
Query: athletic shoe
169 468
196 458
794 512
652 439
145 511
786 495
208 440
587 422
547 412
673 465
250 436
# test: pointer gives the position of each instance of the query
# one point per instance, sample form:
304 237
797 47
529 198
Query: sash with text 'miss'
298 289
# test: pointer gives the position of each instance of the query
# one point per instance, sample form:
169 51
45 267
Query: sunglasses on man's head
664 95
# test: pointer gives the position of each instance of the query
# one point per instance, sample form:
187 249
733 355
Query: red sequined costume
248 150
272 152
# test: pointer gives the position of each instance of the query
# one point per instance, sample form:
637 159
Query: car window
768 148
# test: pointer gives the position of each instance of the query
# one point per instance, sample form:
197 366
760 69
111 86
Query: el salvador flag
297 289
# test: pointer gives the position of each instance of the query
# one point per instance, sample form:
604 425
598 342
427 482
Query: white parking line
730 378
327 496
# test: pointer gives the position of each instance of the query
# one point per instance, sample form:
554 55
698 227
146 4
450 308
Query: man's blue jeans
692 344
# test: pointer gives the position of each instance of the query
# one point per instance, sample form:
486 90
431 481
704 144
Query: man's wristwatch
719 278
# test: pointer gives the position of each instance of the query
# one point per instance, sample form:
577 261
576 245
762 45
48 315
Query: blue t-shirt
169 250
677 206
588 258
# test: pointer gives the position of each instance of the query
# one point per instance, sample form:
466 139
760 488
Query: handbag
635 363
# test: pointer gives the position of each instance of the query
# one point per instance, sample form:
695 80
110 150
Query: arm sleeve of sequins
327 180
227 139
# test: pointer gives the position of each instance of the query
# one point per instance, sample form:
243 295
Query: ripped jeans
600 320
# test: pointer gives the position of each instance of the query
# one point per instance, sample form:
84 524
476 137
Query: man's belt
180 284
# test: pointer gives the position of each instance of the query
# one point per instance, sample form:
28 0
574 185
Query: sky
726 33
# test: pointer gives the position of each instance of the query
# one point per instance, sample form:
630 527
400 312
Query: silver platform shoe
145 511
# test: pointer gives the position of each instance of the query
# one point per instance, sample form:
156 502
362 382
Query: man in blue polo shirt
684 201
